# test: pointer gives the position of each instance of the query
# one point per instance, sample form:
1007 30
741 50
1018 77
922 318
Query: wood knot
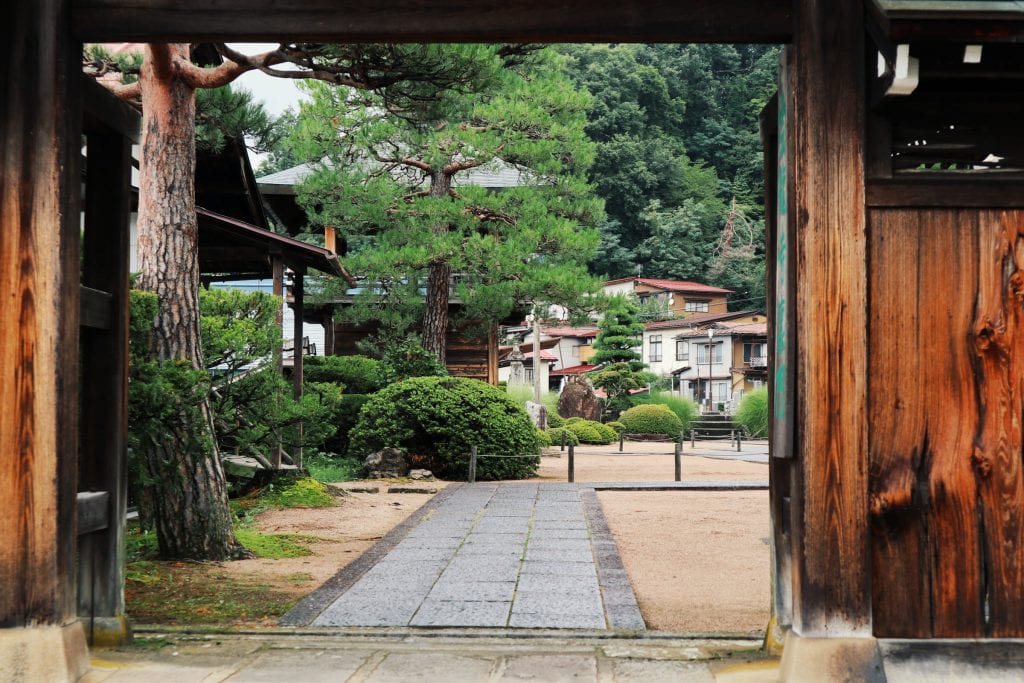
1017 285
987 334
982 463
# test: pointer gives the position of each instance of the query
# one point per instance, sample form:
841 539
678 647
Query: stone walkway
518 555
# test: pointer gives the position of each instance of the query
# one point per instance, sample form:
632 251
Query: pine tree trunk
189 493
439 277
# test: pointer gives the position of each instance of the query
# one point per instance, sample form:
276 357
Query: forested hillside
679 159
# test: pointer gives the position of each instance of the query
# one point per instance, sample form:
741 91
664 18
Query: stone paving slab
493 555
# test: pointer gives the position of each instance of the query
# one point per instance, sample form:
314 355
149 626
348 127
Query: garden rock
386 463
538 413
578 399
421 475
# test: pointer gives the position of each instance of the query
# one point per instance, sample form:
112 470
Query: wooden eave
352 21
228 245
958 21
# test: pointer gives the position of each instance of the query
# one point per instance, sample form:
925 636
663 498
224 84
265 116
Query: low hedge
588 431
651 419
617 427
436 420
358 374
556 435
555 420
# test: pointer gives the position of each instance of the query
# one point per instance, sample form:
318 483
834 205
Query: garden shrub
555 420
574 420
407 358
357 374
684 408
543 439
345 419
753 413
437 419
651 419
558 433
617 427
608 434
592 432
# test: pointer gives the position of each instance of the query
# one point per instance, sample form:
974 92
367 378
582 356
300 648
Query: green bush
617 426
684 408
345 418
574 420
407 358
592 432
543 439
437 419
558 433
608 434
651 419
555 420
753 413
357 374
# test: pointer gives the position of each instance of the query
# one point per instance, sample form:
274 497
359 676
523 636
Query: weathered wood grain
38 313
831 594
946 372
423 21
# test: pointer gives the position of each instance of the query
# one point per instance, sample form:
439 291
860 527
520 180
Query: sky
277 94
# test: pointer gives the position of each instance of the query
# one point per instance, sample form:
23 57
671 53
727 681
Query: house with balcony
671 298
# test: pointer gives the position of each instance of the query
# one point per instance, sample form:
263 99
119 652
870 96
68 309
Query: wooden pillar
297 301
40 637
328 324
831 586
104 399
277 270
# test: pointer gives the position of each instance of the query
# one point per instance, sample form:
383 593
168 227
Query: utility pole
536 355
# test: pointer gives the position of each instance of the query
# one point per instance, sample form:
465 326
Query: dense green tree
619 335
392 182
163 83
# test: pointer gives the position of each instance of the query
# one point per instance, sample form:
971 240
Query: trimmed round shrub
608 434
585 432
684 408
617 427
753 413
359 374
557 433
437 419
573 420
651 419
555 420
543 439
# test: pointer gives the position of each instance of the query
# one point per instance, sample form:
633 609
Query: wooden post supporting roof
831 595
39 241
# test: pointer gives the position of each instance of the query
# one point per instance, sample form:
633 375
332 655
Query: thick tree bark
189 494
439 275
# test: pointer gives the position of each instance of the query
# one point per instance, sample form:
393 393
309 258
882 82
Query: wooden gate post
831 575
40 142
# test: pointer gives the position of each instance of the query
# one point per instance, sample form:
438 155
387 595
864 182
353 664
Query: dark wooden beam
40 145
96 308
831 587
349 21
298 294
962 21
104 113
952 191
103 446
93 512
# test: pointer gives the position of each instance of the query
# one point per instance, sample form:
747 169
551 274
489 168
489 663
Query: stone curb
620 604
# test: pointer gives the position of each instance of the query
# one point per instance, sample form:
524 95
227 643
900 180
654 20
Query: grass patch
284 493
150 643
299 577
328 470
188 593
274 546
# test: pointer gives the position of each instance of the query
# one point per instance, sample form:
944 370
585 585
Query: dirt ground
357 521
699 561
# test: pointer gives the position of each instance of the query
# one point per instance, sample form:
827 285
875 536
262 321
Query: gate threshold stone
486 555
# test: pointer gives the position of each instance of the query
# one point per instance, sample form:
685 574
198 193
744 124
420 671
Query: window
529 375
755 354
696 306
654 353
682 350
716 354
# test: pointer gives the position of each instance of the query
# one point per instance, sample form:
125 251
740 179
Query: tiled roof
696 320
672 285
574 370
569 331
729 329
496 174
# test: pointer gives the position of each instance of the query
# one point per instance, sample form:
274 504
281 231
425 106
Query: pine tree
622 371
392 182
